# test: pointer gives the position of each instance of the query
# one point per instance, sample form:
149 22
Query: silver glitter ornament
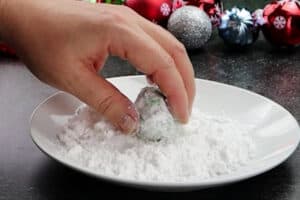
191 26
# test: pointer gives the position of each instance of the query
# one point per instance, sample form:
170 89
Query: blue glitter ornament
237 28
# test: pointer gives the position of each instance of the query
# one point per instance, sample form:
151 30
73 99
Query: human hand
66 42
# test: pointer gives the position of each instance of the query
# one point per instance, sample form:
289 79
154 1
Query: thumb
107 100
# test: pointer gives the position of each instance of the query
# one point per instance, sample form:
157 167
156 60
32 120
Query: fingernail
128 124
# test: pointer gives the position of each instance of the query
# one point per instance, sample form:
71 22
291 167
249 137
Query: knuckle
104 105
170 62
178 49
108 18
117 18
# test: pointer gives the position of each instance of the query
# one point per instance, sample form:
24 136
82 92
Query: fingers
150 58
106 99
178 53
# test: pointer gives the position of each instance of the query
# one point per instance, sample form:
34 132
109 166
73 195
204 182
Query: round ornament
211 7
282 22
157 11
191 26
237 28
178 4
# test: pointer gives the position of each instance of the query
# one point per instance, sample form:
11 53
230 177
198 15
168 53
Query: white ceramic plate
276 133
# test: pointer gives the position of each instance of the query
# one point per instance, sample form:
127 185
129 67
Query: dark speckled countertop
26 173
261 68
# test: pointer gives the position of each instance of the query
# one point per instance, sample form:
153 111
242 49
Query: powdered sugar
208 146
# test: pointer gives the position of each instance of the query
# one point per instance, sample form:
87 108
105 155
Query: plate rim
204 183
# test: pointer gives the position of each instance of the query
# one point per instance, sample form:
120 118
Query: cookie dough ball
156 121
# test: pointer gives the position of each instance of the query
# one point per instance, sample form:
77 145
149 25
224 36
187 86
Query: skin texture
66 42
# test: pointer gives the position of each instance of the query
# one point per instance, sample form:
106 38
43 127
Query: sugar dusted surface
207 147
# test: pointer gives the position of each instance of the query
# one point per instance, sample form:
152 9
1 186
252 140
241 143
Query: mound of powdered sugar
208 146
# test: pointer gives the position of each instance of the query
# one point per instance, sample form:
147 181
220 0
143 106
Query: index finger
150 58
178 53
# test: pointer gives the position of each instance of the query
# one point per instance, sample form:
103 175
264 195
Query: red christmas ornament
178 4
282 22
157 11
211 7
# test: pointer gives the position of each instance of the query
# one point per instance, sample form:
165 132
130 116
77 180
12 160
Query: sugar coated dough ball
156 121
